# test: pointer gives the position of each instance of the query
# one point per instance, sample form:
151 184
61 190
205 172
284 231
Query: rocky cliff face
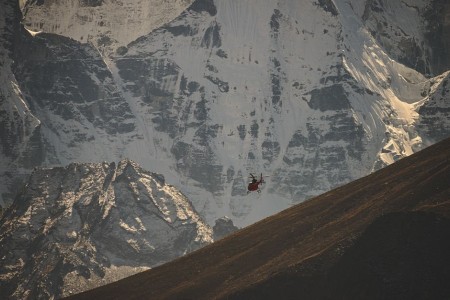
312 94
224 226
418 45
19 127
76 227
423 46
106 24
434 110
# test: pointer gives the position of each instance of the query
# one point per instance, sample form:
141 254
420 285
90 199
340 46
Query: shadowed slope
402 255
297 251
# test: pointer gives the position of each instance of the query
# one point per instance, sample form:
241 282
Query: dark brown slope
351 236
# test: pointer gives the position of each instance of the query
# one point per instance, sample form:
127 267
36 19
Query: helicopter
254 184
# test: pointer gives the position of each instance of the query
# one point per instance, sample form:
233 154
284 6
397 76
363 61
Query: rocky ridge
77 227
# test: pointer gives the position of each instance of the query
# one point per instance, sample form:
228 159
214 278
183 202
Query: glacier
313 94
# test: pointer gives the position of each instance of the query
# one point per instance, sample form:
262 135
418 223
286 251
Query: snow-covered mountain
313 94
77 227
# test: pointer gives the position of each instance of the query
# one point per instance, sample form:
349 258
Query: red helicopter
254 184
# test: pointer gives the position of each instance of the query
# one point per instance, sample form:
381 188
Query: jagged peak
99 221
129 166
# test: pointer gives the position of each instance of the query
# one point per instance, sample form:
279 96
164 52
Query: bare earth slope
382 236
